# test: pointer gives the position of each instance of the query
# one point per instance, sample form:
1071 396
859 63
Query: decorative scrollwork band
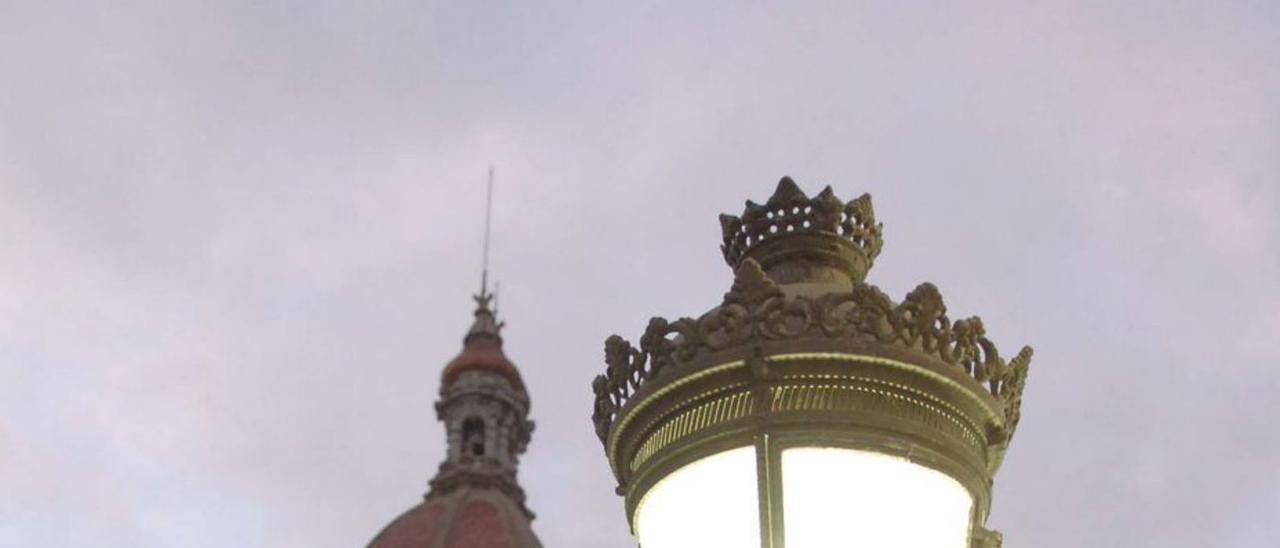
756 309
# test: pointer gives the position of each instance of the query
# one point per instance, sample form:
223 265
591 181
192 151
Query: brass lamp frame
803 353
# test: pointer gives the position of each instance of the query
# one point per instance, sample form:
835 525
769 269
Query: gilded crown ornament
802 346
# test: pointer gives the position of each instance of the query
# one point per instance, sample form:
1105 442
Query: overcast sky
238 240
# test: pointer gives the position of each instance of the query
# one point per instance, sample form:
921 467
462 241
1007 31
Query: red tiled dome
464 518
482 353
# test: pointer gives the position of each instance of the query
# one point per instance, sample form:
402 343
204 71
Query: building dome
482 349
464 518
482 354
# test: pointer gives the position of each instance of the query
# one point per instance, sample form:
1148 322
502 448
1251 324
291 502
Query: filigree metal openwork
756 308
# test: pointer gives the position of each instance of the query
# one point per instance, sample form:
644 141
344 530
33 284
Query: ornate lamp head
801 357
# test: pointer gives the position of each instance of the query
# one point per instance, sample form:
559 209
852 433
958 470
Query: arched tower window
473 437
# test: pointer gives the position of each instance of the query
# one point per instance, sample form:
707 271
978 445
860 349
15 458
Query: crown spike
788 191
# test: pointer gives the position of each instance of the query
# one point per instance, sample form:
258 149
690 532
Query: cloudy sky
238 239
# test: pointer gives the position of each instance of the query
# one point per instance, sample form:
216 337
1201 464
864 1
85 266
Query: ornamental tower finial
486 323
488 216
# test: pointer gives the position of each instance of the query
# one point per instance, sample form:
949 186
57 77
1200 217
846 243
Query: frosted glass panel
711 502
842 498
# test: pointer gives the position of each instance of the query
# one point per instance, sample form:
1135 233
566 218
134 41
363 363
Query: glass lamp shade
832 498
710 502
842 497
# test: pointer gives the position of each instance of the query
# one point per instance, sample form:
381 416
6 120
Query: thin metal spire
488 214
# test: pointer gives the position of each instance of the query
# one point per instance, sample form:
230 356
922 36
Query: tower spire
485 323
488 216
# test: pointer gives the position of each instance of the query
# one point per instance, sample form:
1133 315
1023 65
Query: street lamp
808 410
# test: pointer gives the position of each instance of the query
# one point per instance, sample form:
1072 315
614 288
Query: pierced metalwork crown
793 228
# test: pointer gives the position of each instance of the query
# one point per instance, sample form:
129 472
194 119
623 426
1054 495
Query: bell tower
485 410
